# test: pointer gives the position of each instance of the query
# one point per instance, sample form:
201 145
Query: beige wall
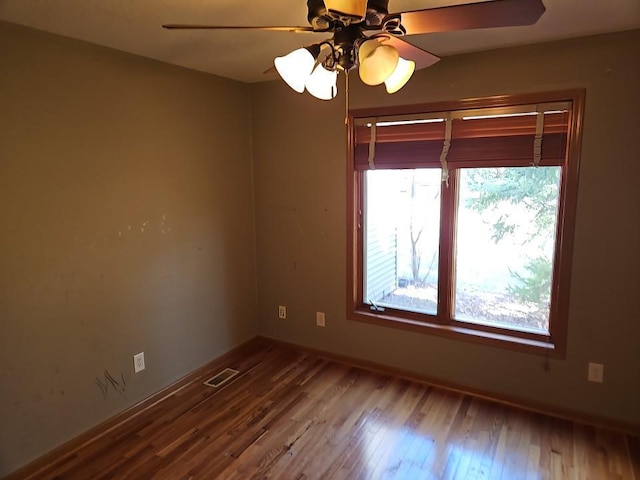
299 164
127 225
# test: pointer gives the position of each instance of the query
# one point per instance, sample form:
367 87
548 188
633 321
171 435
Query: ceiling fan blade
488 14
178 26
422 58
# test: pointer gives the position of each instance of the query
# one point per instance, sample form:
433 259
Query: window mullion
359 212
447 247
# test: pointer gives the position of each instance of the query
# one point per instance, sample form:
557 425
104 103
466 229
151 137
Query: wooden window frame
443 324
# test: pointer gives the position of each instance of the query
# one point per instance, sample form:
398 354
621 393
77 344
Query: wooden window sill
503 340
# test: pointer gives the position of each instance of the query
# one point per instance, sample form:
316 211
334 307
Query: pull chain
346 98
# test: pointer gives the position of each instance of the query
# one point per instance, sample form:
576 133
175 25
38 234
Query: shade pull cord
346 98
445 150
537 141
372 145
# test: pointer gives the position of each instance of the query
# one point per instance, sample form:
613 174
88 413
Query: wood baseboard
524 404
34 468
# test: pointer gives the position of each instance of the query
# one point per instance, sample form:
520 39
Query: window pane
401 228
505 246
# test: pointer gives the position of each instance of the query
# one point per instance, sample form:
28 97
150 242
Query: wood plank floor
292 415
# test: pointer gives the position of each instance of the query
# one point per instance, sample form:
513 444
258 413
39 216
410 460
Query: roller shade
500 137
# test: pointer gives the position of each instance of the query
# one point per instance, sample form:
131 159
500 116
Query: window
461 217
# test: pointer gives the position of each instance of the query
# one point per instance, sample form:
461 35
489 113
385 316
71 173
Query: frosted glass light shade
377 61
400 75
322 83
295 68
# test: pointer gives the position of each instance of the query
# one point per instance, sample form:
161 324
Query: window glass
402 225
506 233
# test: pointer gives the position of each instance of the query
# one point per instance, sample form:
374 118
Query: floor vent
221 378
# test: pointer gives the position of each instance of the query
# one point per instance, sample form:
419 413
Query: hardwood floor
292 415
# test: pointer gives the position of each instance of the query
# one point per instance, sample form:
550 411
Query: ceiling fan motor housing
321 19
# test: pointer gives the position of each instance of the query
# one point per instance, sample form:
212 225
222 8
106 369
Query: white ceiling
135 26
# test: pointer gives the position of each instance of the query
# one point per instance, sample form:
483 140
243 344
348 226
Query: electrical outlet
282 311
138 362
320 319
596 372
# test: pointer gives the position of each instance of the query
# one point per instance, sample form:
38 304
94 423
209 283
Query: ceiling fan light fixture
400 75
322 83
296 67
377 61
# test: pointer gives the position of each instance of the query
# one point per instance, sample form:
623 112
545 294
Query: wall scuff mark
110 382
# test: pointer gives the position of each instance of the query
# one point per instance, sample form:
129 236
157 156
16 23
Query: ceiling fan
366 36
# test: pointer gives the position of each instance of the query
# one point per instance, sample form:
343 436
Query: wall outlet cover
138 362
596 372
